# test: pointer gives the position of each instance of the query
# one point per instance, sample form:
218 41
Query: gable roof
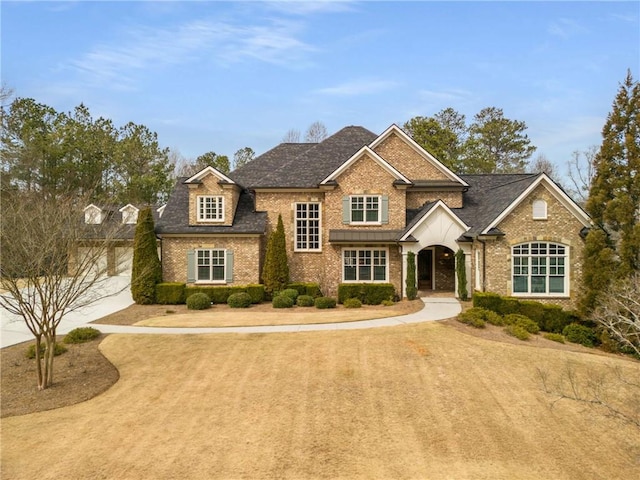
376 158
427 210
175 217
208 171
302 165
394 129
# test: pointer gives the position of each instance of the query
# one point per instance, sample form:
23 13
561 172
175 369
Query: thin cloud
304 7
443 95
146 48
358 87
565 28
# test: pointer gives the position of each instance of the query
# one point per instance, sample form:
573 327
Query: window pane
218 273
203 273
379 273
365 273
349 273
520 284
538 284
556 284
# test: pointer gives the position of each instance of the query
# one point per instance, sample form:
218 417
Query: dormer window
129 214
210 208
92 215
539 209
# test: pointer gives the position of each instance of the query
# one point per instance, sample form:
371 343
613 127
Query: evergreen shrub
170 293
198 301
309 288
239 300
305 301
555 337
367 293
412 289
352 303
81 335
325 302
290 292
146 270
473 317
517 331
488 300
581 334
282 301
58 349
522 321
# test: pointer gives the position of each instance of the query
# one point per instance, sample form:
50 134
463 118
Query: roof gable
556 192
395 130
431 210
366 151
209 171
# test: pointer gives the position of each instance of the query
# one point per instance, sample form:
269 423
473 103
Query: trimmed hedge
221 294
170 293
282 301
292 293
312 289
367 293
239 300
198 301
352 303
305 301
549 317
325 302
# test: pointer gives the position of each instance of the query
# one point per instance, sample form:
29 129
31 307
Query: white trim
364 211
133 211
219 199
439 204
360 153
160 210
367 249
209 171
421 151
557 193
94 218
224 266
566 277
295 228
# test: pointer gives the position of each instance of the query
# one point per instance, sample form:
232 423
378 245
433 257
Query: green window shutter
346 210
229 266
191 266
384 209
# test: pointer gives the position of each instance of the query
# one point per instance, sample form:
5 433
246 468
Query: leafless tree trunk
316 133
292 136
581 169
52 264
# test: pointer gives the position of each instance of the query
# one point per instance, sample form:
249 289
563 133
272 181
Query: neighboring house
118 226
356 203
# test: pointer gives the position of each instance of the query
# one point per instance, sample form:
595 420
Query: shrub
325 302
577 333
275 271
517 331
522 321
305 301
221 294
487 300
412 290
291 293
388 303
58 349
312 289
282 301
533 310
461 274
256 292
367 293
239 300
352 303
555 318
509 305
198 301
493 318
484 315
473 317
170 293
146 270
81 335
554 337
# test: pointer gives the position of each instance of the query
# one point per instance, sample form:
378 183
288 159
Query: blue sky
219 76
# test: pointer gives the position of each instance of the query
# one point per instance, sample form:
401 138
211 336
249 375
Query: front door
425 269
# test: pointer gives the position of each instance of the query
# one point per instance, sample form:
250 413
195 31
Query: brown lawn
423 401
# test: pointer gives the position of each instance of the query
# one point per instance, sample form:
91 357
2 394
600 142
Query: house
117 226
353 207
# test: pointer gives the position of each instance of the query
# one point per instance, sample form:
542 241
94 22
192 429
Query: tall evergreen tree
412 290
614 196
275 273
146 270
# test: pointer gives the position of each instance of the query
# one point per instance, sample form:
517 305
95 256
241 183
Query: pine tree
412 290
614 197
146 270
275 273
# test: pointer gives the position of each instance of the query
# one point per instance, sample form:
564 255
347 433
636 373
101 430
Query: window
210 209
364 265
539 268
539 210
93 216
129 216
210 265
308 226
365 209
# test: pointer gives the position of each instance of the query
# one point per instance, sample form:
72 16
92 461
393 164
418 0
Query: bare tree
581 169
6 94
542 164
52 264
316 133
292 136
619 313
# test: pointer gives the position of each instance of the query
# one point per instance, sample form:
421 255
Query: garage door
94 256
124 261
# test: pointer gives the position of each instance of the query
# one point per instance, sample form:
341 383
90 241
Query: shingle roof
295 165
175 218
112 226
363 236
488 196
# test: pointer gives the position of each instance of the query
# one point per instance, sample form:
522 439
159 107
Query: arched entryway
436 269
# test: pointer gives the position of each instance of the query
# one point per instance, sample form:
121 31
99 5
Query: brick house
355 204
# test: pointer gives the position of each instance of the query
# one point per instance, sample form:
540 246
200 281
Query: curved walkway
13 329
